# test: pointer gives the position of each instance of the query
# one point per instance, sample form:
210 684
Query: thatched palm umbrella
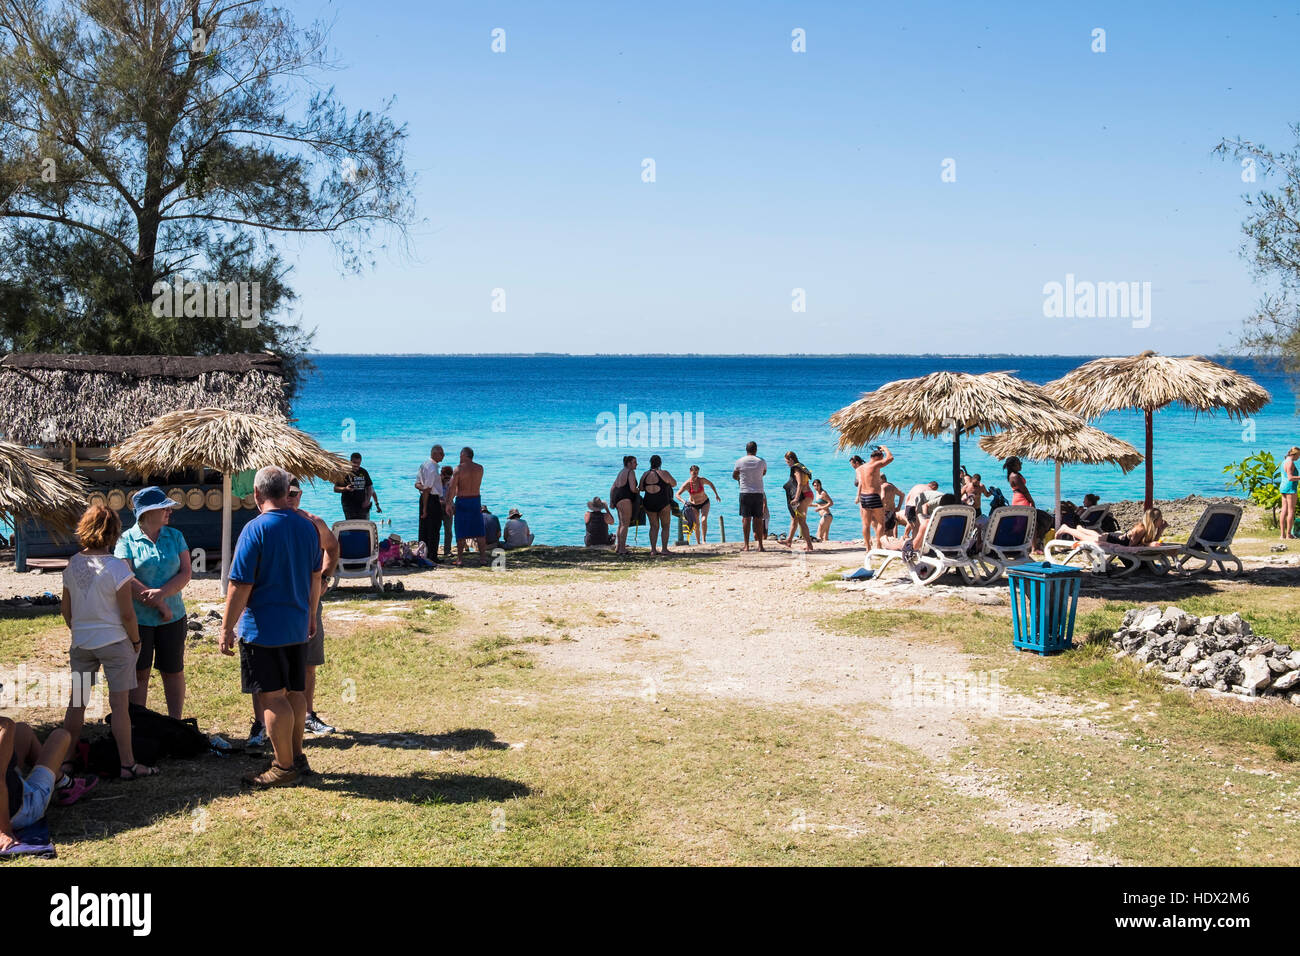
36 486
1150 382
948 403
226 442
1080 444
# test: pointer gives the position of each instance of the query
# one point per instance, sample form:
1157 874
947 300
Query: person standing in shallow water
657 488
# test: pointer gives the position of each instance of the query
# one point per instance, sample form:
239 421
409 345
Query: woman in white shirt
98 609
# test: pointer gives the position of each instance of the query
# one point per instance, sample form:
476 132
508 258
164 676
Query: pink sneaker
74 791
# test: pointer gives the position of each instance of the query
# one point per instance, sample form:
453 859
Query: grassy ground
1170 777
458 746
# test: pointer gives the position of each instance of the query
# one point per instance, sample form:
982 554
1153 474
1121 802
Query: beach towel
33 840
469 518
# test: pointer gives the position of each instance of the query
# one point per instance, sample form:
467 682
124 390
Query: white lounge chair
358 553
1093 517
947 538
1211 541
1112 559
1008 539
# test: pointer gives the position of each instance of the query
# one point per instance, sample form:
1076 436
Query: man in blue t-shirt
273 589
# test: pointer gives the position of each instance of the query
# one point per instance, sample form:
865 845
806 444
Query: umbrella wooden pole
225 532
1151 484
1058 494
956 462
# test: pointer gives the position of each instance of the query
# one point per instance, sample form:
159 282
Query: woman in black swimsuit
622 498
799 498
657 489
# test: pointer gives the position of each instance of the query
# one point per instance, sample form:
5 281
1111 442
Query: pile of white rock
1218 652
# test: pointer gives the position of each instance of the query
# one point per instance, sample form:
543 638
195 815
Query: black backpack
996 499
153 736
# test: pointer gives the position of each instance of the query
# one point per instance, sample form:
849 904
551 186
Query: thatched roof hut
1079 444
226 441
97 400
948 403
1149 382
229 442
36 487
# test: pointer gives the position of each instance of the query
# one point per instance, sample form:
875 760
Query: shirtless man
869 480
329 546
917 496
466 508
891 498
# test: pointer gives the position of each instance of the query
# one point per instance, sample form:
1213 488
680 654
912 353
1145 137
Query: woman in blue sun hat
160 559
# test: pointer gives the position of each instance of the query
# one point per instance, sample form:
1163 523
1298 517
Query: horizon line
940 355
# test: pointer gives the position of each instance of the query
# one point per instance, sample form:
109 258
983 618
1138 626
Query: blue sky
777 170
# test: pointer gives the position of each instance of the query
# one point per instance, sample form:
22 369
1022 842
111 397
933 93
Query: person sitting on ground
98 609
517 534
26 798
491 528
597 521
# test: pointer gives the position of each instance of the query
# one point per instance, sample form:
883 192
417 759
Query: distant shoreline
1217 356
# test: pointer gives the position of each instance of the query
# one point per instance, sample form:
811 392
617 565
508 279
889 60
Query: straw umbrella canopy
227 442
1080 444
35 486
1149 382
948 403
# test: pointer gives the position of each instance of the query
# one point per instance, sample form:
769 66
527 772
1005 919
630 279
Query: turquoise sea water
535 424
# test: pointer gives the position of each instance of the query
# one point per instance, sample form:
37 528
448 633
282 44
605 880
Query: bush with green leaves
1258 476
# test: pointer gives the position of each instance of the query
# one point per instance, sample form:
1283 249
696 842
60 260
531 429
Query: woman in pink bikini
696 497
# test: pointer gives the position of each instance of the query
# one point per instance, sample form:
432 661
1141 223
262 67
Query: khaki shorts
118 660
316 644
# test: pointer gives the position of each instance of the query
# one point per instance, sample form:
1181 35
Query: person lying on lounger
1147 531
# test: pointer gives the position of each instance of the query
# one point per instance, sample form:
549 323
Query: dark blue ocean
535 424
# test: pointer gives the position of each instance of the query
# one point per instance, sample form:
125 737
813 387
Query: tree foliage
1272 245
142 140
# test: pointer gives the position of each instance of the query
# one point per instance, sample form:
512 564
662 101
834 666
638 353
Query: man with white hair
274 587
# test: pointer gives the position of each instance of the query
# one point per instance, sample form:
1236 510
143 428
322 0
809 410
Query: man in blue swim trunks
466 507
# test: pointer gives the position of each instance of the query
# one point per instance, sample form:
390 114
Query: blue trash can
1043 600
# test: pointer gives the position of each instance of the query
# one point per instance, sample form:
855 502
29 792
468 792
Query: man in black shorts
749 471
274 588
869 500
